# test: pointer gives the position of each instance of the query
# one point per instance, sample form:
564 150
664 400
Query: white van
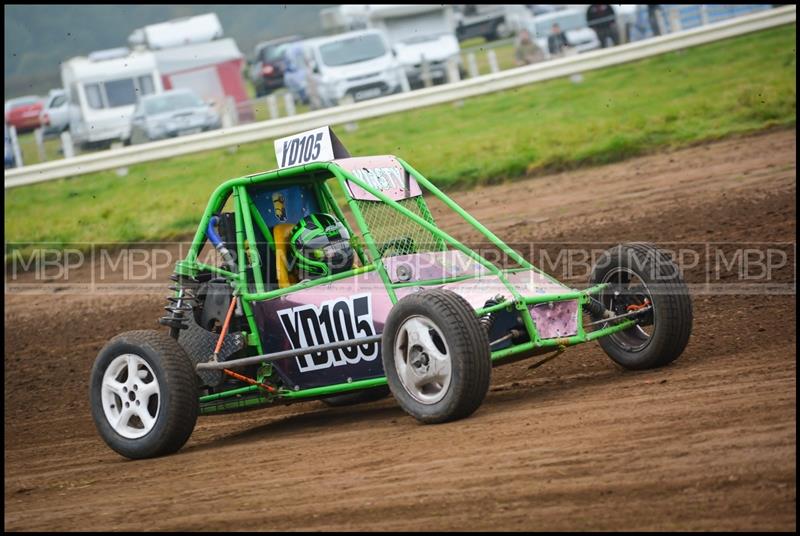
103 90
359 64
416 32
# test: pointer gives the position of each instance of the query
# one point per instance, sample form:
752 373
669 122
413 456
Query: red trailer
213 70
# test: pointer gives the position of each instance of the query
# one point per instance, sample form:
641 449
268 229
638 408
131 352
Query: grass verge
730 87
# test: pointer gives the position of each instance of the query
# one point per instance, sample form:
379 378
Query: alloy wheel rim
131 396
422 360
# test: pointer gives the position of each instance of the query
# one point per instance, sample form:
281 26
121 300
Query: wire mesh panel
396 234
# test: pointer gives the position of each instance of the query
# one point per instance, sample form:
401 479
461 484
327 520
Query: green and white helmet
320 246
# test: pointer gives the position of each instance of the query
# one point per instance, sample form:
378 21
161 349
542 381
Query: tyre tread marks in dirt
179 393
673 306
468 343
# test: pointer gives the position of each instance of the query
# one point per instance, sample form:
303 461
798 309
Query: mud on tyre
436 356
640 274
143 394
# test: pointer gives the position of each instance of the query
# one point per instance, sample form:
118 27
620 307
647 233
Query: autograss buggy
419 315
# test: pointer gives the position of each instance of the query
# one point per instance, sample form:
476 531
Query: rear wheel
643 277
436 356
143 394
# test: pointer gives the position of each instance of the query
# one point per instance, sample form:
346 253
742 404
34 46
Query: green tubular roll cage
246 215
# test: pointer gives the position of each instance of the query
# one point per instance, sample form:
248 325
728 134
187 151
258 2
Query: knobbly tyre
328 279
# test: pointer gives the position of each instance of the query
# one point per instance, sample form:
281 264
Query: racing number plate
310 146
368 93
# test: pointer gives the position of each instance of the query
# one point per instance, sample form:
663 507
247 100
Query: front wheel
143 394
436 356
642 277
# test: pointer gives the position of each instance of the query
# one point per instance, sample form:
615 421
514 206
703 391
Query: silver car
54 117
172 113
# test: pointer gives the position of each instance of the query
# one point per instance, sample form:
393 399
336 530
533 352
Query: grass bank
717 90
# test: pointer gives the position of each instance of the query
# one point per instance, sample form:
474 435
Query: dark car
268 64
173 113
23 112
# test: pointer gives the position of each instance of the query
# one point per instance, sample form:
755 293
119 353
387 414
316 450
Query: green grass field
725 88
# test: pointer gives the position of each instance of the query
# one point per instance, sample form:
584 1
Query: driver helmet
320 246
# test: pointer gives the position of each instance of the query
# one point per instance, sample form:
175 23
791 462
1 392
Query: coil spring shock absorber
596 309
487 320
181 303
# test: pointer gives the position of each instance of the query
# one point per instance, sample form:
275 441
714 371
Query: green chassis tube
246 214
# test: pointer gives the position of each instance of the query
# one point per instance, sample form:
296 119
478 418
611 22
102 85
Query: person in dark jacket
602 19
557 40
653 11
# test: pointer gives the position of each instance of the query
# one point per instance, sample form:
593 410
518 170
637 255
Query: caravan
103 90
191 53
419 33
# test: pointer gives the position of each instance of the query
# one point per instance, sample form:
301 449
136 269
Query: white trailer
343 18
421 33
178 32
103 93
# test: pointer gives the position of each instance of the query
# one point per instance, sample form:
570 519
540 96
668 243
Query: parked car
8 161
419 33
173 113
54 117
572 22
23 112
267 65
490 21
358 64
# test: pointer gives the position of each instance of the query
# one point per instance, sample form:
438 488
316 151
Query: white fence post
12 133
452 70
703 14
272 105
674 20
350 126
426 72
662 24
472 65
492 57
404 85
622 30
66 144
288 101
230 113
38 135
120 171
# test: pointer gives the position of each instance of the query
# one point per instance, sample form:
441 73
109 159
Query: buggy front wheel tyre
641 276
436 356
143 394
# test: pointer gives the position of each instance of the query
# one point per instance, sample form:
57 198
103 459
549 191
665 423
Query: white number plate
310 146
368 93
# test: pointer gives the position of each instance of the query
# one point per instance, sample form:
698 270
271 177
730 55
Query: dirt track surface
706 443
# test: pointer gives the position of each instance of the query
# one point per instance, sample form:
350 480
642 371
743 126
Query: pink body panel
383 173
361 304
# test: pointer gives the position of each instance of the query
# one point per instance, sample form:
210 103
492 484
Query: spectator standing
603 20
653 11
526 51
557 41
